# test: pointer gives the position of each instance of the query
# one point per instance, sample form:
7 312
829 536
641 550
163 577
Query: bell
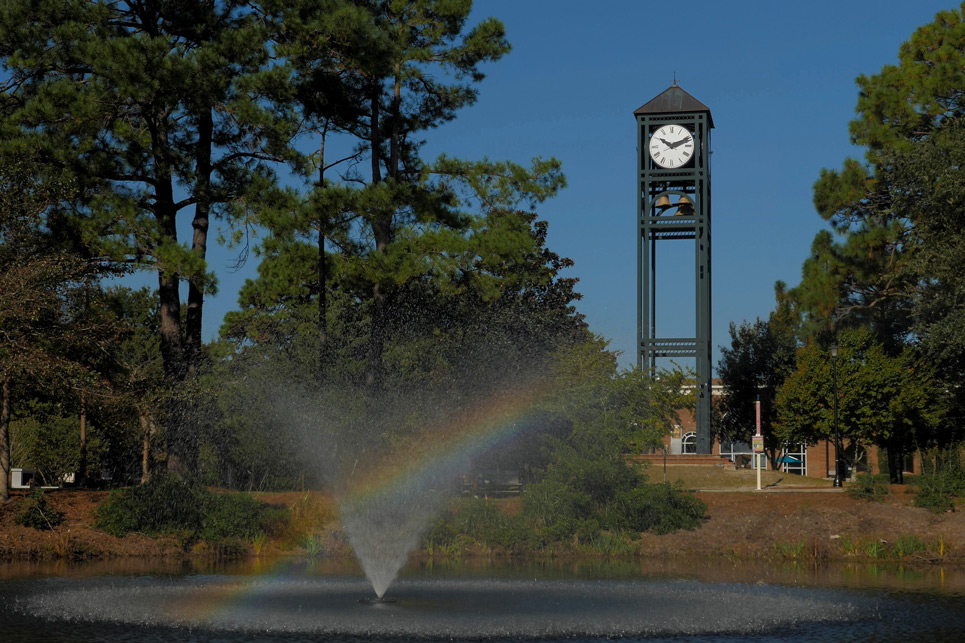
685 207
663 202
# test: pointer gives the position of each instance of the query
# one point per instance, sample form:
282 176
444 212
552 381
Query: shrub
661 508
36 513
163 505
937 490
238 515
908 544
441 533
168 505
477 518
553 510
934 498
870 487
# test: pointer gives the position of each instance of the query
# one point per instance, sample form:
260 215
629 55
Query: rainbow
220 599
441 452
438 453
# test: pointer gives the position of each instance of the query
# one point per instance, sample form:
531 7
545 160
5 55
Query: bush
167 505
238 515
163 505
36 513
585 494
935 494
870 487
938 489
661 508
553 510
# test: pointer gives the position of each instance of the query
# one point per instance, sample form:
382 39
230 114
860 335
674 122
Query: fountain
393 463
293 604
385 528
388 493
388 497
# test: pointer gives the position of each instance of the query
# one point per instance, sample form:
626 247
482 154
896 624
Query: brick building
812 460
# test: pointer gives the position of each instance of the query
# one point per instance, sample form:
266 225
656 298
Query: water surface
653 600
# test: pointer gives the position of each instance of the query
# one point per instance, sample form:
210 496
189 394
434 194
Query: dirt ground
814 523
818 524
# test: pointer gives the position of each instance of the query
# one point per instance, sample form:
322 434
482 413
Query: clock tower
673 205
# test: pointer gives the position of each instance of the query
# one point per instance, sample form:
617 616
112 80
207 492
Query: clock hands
674 146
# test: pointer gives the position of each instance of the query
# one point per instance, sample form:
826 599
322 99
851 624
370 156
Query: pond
303 600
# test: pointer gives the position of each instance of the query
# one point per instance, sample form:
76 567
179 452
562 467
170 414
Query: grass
728 478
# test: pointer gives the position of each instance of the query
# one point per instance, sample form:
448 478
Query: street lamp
837 435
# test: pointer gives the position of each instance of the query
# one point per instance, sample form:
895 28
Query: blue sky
779 80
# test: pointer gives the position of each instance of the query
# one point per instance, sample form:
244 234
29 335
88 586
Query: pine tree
873 276
160 111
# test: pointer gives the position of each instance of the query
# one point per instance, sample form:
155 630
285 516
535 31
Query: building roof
674 99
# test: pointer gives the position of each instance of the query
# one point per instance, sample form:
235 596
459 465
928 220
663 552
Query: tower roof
674 99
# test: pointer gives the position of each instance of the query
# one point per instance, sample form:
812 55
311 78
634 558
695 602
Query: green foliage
587 493
36 512
556 517
792 551
397 279
760 357
889 400
167 505
909 100
893 263
662 508
583 493
940 487
907 545
47 440
870 487
478 520
929 186
55 334
237 515
607 409
163 505
871 276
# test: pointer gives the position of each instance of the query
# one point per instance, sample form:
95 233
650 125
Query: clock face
671 146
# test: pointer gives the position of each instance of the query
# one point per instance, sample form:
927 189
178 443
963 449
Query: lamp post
837 435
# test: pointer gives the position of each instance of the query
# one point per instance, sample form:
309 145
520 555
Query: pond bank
790 525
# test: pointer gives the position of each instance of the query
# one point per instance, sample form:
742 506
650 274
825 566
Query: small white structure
21 478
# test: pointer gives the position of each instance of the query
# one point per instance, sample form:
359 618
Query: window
794 459
689 443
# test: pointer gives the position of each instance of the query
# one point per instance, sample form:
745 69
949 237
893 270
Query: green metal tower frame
673 205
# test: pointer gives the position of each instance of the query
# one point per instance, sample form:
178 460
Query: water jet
376 600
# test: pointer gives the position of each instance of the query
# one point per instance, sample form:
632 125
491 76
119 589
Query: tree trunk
895 461
375 135
373 375
322 276
179 439
82 465
199 241
395 137
5 439
147 429
381 231
172 349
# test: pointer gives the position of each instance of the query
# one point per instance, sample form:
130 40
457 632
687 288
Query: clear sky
779 81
